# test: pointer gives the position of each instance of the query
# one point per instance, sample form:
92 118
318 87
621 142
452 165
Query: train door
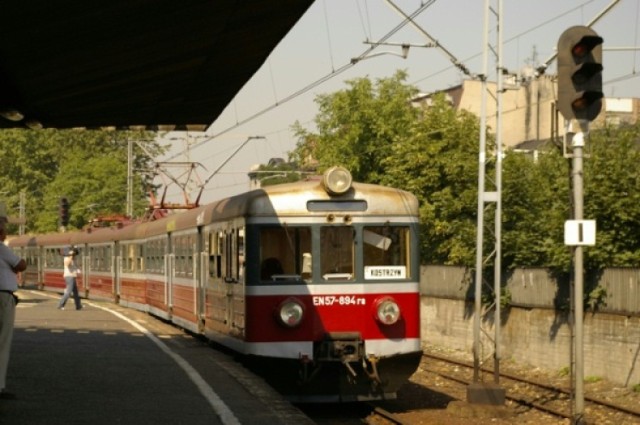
85 271
41 263
116 271
201 274
227 273
224 288
235 281
169 273
215 309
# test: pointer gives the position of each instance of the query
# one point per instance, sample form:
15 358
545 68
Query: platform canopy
123 63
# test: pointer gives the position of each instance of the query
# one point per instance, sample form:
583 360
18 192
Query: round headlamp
337 180
290 313
387 311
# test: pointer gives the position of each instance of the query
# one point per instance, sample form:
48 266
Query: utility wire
314 84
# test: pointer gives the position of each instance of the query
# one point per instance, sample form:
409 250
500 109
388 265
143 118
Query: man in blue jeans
10 264
70 274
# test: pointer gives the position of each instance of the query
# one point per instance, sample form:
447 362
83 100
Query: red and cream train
315 282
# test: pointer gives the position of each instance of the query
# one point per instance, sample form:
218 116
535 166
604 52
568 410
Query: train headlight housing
290 312
337 180
387 311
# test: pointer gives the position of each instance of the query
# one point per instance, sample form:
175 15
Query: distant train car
315 282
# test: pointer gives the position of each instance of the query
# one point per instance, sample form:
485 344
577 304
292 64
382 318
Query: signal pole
578 200
579 101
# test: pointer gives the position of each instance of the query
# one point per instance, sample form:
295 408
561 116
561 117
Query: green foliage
612 197
432 151
488 298
89 168
375 131
437 161
536 203
596 298
359 126
272 174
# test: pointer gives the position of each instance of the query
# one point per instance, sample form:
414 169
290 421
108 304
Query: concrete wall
540 338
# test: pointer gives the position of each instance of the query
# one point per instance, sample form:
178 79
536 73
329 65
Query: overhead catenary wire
507 41
314 84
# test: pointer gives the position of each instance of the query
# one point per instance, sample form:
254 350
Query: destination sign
385 272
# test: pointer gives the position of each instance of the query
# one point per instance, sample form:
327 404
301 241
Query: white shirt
8 260
70 268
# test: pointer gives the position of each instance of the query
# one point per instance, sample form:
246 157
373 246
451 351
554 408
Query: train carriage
52 261
174 282
95 247
315 282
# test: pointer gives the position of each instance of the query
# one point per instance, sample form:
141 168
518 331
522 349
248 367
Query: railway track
547 397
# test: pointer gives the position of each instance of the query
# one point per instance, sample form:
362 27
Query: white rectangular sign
385 272
579 232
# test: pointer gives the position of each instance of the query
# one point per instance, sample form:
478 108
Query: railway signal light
580 73
64 212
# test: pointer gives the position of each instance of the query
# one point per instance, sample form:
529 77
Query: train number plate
331 300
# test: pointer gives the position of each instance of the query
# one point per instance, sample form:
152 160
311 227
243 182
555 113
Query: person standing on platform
10 264
70 274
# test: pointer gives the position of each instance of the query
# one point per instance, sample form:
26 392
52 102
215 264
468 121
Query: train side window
98 258
214 255
231 252
129 254
337 252
240 254
140 258
154 255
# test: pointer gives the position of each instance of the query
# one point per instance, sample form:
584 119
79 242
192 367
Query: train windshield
337 252
386 252
285 253
290 253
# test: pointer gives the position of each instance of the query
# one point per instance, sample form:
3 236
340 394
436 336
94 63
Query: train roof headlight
337 180
387 311
290 313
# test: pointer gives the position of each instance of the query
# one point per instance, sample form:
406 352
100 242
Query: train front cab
332 294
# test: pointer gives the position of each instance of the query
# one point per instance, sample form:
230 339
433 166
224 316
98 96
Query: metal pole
482 156
578 193
22 213
129 178
497 269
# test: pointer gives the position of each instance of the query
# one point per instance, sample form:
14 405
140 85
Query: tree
536 203
278 173
437 161
612 196
358 126
83 166
432 151
381 137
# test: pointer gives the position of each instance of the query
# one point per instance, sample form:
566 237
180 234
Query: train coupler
373 374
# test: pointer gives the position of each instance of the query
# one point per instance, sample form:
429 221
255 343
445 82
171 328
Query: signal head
580 73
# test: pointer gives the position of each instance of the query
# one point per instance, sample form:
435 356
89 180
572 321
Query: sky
316 56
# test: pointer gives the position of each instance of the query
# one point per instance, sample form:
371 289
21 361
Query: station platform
106 364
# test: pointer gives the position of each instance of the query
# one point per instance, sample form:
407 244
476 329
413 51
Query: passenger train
315 283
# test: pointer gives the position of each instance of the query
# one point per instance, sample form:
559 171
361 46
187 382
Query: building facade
529 114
